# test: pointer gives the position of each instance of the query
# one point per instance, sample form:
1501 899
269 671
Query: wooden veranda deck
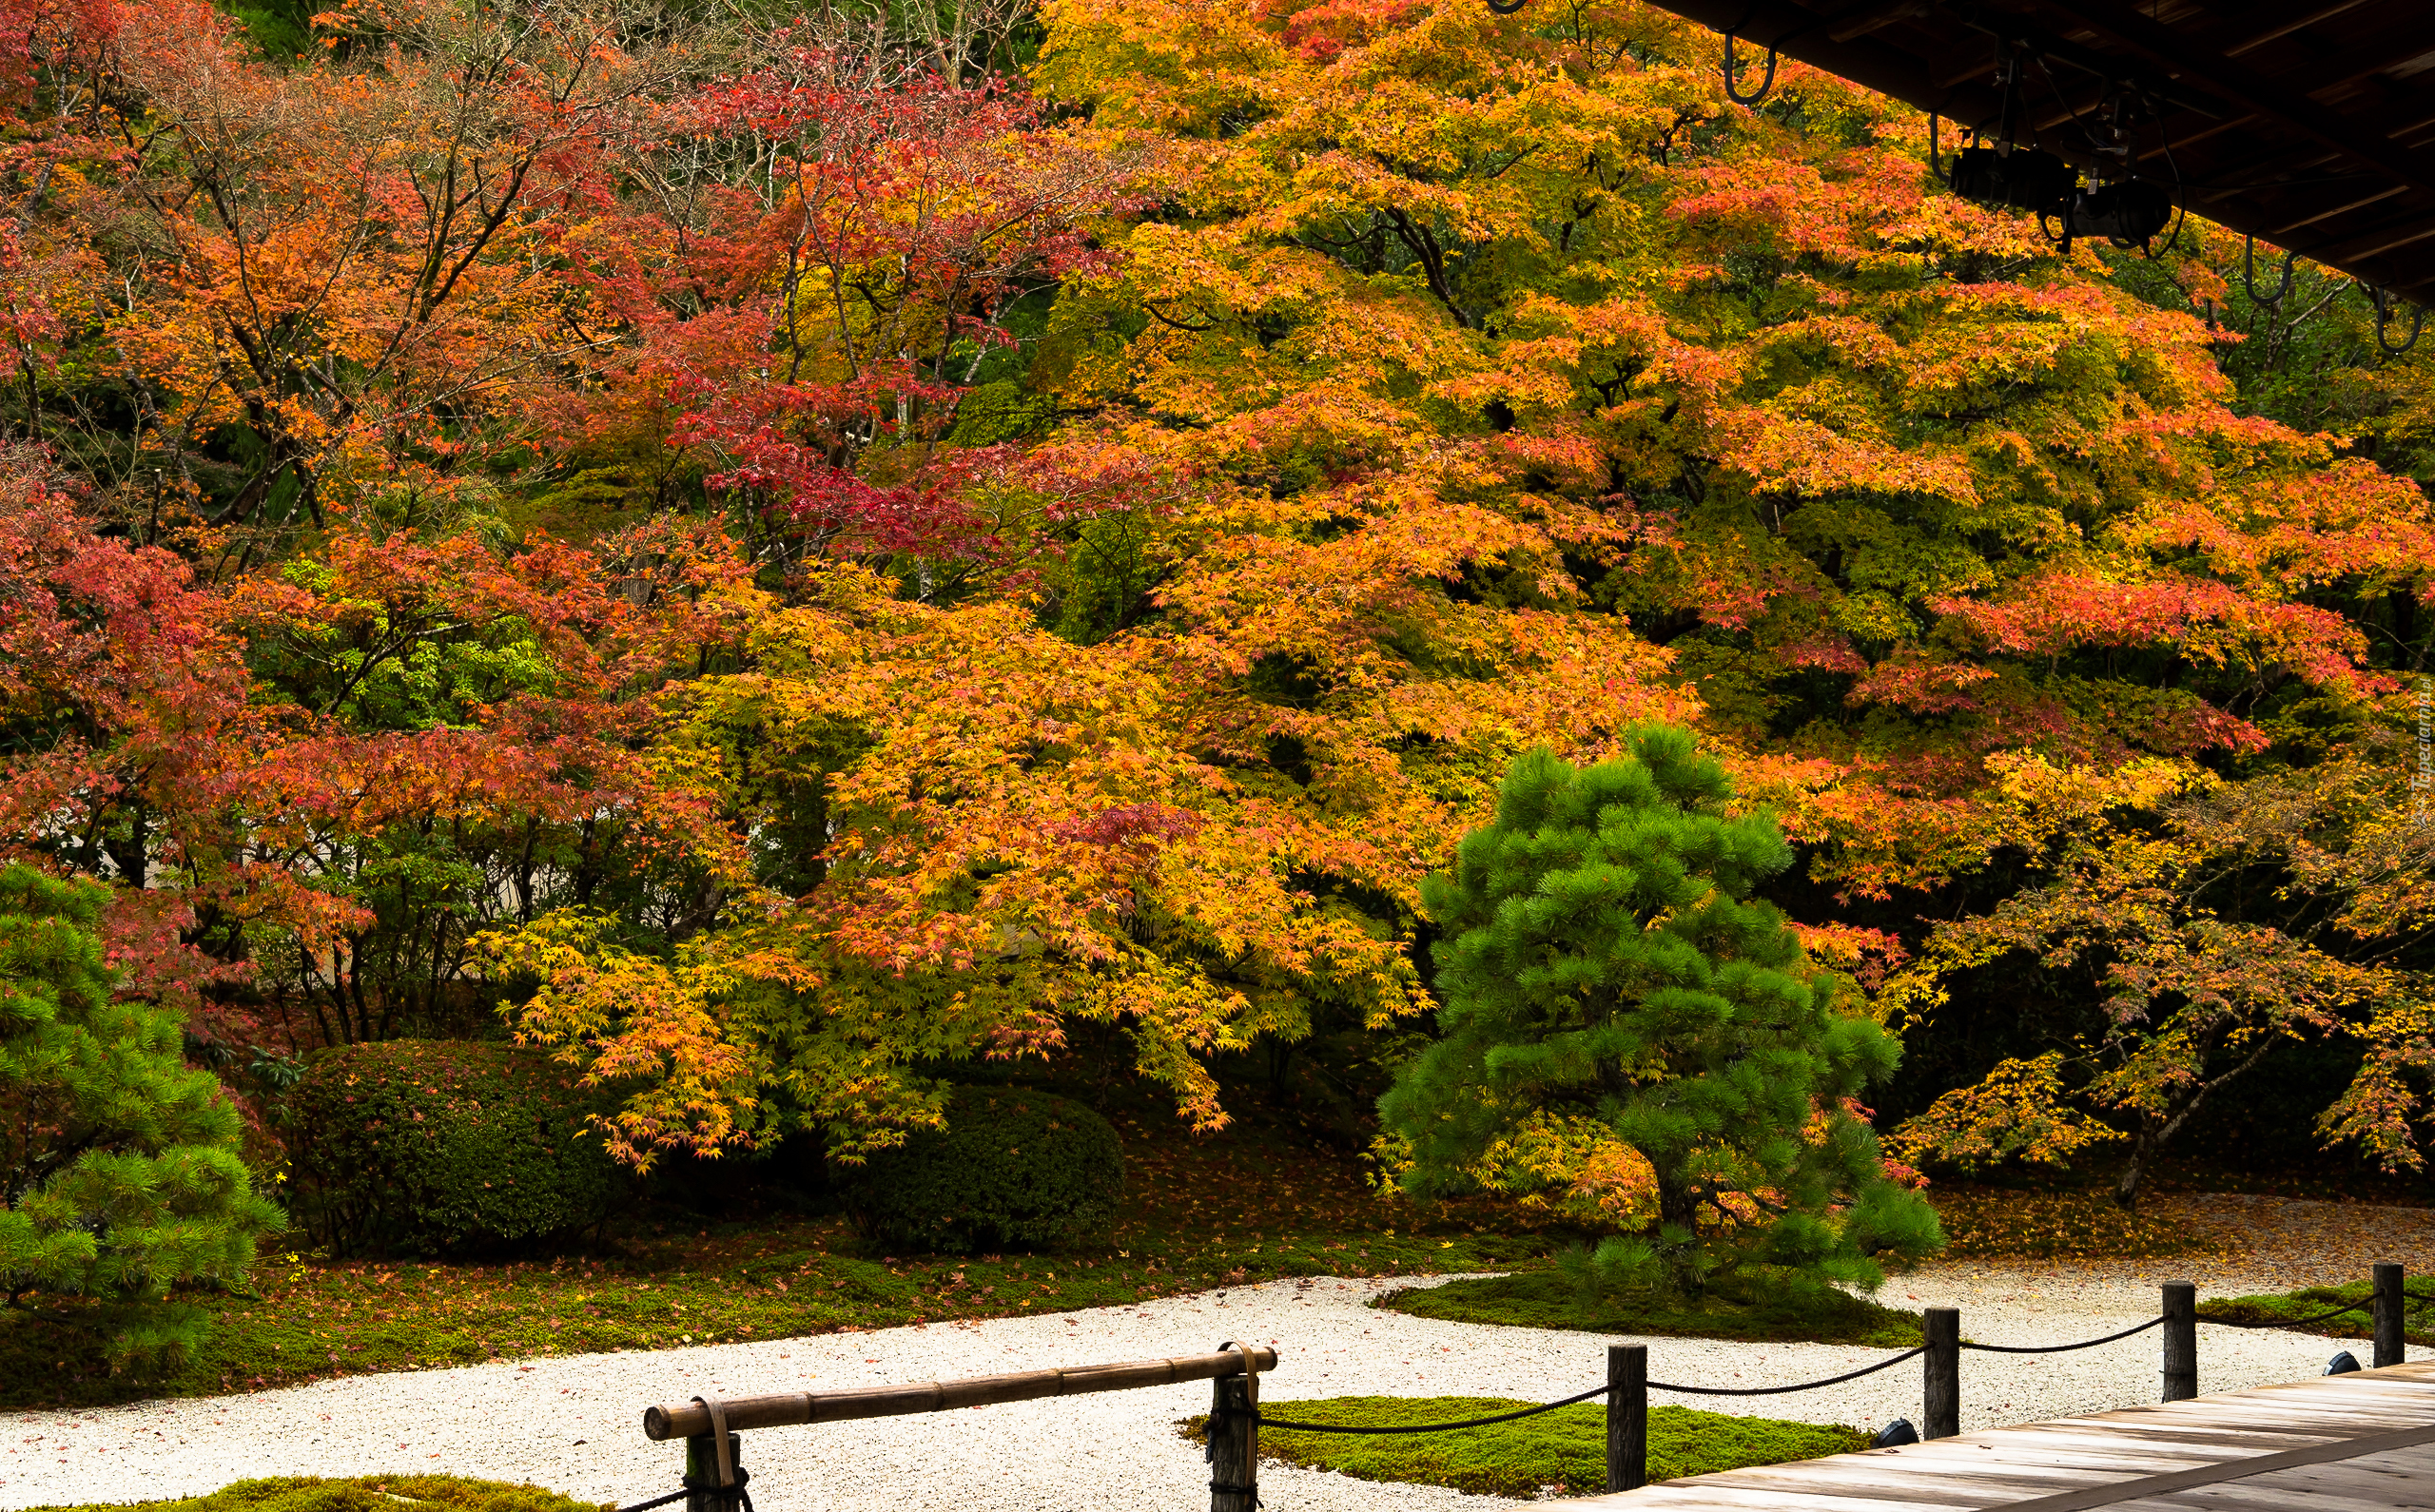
2355 1442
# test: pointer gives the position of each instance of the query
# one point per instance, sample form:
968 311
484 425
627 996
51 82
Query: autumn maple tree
790 554
2215 922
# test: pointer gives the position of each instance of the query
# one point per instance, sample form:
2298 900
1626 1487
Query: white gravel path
573 1424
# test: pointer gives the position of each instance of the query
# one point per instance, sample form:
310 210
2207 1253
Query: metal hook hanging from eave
2248 274
2383 300
1765 83
1936 150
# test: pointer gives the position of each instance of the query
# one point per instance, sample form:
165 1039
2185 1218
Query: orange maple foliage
1102 531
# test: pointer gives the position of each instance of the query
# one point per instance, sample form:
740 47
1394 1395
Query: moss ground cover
1763 1306
1186 1227
1253 1205
369 1493
2418 1310
1562 1452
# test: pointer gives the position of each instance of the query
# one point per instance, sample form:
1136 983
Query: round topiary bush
431 1145
1013 1170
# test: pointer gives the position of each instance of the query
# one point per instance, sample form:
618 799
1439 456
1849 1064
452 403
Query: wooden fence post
2388 1314
1943 1394
2181 1340
1233 1445
1626 1416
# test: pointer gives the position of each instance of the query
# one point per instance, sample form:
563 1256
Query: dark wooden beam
2249 89
2411 225
2282 21
2354 64
2357 201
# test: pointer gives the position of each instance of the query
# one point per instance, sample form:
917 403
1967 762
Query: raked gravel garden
572 1424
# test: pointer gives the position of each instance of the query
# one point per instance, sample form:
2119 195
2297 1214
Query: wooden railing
716 1478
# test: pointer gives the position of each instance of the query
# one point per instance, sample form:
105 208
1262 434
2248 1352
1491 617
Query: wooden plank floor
2359 1443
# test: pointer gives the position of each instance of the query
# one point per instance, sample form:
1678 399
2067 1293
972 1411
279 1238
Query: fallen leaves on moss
363 1493
1995 1221
1558 1453
2418 1310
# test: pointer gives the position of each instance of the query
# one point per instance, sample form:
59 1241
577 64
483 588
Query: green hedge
1013 1170
434 1146
363 1493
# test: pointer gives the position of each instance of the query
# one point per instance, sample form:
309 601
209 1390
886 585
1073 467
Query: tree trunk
2143 1149
1677 1207
2154 1132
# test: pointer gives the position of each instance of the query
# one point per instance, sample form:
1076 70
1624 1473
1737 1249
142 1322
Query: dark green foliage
432 1146
280 31
1564 1448
1013 1170
121 1166
363 1493
1759 1305
1605 958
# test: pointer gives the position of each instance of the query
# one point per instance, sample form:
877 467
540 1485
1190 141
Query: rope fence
2065 1349
1267 1422
1806 1386
714 1478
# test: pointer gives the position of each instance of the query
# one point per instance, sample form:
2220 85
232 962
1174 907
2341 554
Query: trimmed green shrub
1013 1170
120 1166
363 1493
1606 961
432 1145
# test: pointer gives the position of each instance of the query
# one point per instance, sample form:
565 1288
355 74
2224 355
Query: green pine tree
1604 958
122 1166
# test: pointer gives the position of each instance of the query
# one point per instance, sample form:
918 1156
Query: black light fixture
1897 1432
2342 1363
2126 210
2006 176
2127 214
2021 179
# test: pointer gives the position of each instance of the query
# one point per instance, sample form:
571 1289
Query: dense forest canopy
801 550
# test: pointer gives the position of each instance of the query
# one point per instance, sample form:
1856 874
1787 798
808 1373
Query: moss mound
363 1493
1559 1453
1763 1307
2417 1313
